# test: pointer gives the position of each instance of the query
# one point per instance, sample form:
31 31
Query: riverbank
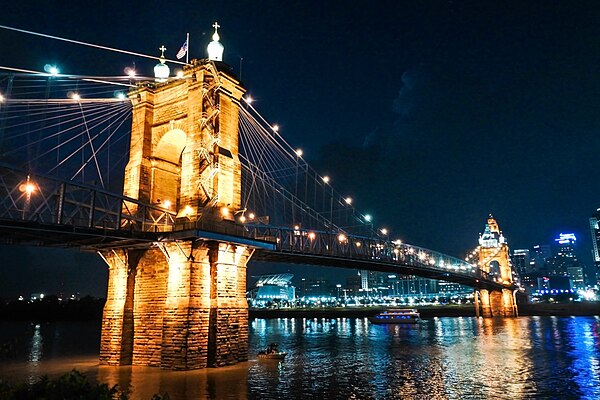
463 310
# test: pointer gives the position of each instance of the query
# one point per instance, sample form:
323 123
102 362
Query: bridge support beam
496 303
178 306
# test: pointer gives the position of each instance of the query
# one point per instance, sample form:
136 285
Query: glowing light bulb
242 219
342 237
276 128
384 231
251 216
325 179
248 99
179 74
76 97
167 204
368 218
29 188
224 211
348 200
1 98
312 235
299 152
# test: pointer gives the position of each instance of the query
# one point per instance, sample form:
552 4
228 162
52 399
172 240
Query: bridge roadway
45 211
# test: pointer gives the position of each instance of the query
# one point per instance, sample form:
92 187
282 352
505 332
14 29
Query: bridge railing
46 200
374 249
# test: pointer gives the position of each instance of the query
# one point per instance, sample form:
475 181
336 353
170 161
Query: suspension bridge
177 181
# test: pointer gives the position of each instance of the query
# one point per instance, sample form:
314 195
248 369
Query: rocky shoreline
540 309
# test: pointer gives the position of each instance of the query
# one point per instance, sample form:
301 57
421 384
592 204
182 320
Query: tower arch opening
166 168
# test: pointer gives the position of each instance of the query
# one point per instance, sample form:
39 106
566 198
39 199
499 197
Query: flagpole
187 53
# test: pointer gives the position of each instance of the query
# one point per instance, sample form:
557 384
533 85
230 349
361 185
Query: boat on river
271 352
397 316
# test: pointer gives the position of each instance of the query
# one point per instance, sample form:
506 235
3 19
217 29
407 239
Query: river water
347 358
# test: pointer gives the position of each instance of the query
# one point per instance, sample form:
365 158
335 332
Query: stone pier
177 305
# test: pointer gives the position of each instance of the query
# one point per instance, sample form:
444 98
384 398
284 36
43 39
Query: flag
182 51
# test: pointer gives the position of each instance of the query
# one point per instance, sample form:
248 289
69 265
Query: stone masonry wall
179 307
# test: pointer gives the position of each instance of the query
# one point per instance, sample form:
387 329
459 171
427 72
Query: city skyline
447 113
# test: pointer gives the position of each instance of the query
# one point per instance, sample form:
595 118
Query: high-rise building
541 253
595 230
565 259
521 261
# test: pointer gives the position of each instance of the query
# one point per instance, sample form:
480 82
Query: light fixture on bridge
368 218
383 231
325 179
299 152
225 211
296 227
1 98
396 251
348 200
312 235
75 96
397 242
358 244
51 69
167 204
275 128
342 238
28 187
248 99
251 216
242 218
130 72
120 95
179 74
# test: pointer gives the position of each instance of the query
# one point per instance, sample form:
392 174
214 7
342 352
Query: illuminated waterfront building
272 287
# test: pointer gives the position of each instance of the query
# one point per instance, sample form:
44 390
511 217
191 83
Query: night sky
431 115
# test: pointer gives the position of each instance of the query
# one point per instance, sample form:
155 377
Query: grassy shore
465 310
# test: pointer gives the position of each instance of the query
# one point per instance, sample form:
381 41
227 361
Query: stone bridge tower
179 302
494 260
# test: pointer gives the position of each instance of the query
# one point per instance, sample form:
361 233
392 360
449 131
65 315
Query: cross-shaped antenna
216 26
162 51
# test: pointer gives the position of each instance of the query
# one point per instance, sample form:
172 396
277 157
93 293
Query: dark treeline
51 309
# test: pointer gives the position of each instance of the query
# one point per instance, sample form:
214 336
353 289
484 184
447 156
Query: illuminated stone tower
184 142
179 302
494 260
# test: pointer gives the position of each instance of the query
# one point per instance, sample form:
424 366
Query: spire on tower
215 48
161 70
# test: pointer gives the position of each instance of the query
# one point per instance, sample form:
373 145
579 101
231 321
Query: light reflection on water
349 358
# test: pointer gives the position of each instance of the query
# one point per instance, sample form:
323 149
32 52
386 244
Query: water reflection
35 352
345 358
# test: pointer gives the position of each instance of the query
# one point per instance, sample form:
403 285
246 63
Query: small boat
271 352
397 316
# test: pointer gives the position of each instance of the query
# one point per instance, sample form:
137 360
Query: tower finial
161 70
215 48
215 35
